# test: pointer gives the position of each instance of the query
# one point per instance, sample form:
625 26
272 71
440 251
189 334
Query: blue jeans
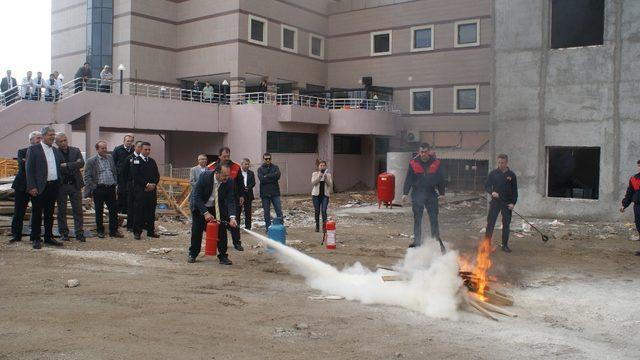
320 204
266 206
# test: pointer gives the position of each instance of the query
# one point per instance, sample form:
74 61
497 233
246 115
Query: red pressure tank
386 185
331 234
211 239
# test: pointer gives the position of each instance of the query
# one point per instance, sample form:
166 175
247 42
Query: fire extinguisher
211 244
330 235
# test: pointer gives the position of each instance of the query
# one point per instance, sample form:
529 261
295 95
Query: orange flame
479 266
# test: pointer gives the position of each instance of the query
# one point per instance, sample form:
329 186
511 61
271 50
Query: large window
288 142
422 38
467 33
316 46
466 99
344 144
381 43
289 38
576 23
99 35
258 30
421 101
573 172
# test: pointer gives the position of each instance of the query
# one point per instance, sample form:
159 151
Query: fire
477 269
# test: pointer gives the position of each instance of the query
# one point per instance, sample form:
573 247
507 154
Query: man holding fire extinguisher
212 200
425 180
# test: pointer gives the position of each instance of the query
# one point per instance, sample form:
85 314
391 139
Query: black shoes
412 245
637 253
191 259
64 237
13 240
53 242
136 236
37 244
116 235
81 238
101 234
238 247
153 235
225 261
317 228
505 248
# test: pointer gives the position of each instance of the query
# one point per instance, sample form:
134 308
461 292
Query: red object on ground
386 189
211 243
331 235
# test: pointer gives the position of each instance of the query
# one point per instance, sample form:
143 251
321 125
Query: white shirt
59 84
143 157
245 176
52 169
27 86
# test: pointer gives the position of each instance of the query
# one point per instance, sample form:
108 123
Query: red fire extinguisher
211 243
331 234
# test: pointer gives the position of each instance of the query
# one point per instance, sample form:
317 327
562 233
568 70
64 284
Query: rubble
72 283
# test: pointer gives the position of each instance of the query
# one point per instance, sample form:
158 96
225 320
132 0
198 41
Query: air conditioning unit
412 136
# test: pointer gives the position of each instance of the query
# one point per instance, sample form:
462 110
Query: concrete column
237 86
92 135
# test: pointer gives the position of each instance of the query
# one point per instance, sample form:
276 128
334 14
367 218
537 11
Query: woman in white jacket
322 183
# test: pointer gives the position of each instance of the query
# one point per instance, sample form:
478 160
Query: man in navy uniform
502 185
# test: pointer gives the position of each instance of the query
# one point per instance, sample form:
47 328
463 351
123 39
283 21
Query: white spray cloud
431 286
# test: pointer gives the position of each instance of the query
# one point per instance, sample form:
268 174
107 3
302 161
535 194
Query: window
421 101
289 38
573 172
465 99
381 43
316 46
347 145
99 37
287 142
467 33
576 23
422 38
258 30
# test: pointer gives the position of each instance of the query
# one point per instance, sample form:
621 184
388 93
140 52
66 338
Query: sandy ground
576 297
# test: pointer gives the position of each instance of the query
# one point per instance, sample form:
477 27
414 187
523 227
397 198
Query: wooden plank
496 299
492 307
479 308
392 278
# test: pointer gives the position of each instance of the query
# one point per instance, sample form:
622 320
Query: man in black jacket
70 188
503 187
120 155
238 189
249 179
125 170
42 169
19 185
633 196
146 176
9 83
425 180
212 200
269 175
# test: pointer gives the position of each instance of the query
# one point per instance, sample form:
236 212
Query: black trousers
496 208
106 195
19 209
636 213
235 232
131 213
78 86
247 211
145 211
419 203
43 205
199 226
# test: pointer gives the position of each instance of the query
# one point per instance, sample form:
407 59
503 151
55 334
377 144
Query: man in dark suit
70 188
125 170
212 200
145 180
120 155
7 83
19 185
42 169
100 176
249 179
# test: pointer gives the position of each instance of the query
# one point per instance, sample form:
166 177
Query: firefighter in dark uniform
125 172
146 176
425 180
633 196
502 185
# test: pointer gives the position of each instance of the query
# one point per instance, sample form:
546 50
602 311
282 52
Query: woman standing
322 185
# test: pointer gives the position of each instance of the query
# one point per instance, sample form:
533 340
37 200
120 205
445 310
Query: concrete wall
567 97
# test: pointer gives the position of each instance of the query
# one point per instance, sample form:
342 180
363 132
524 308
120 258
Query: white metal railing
53 93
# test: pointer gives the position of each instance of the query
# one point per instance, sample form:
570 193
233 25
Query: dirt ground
576 296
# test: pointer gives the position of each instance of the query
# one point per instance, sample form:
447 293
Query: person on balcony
38 85
9 83
207 92
82 76
51 91
195 91
106 78
27 90
59 84
322 183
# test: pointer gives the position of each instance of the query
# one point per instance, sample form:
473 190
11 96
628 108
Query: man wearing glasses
269 174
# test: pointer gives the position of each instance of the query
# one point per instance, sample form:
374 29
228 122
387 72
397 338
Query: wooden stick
479 308
496 299
492 307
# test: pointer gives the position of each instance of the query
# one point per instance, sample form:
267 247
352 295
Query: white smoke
431 286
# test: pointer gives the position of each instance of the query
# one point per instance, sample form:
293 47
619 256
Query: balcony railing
54 94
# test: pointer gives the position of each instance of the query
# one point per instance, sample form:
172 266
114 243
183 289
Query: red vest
417 167
234 169
635 183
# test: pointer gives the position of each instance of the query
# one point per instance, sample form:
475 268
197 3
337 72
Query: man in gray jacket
70 188
194 175
100 180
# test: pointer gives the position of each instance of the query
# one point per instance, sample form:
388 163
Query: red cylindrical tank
211 242
386 185
331 234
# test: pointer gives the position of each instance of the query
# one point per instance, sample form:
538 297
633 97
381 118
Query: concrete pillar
92 135
237 86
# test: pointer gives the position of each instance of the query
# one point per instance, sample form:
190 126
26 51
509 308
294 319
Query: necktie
215 200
